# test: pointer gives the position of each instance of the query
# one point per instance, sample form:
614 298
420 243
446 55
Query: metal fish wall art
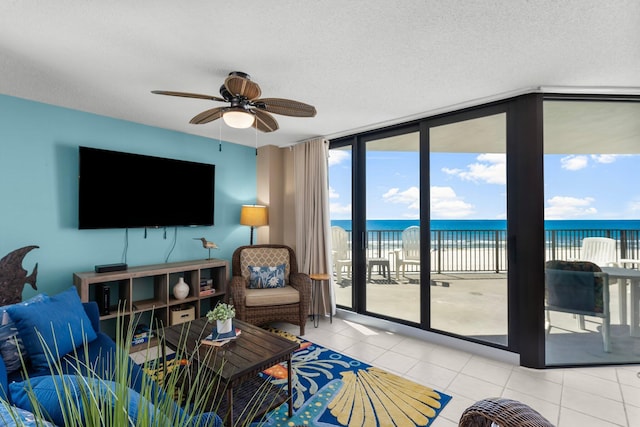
13 277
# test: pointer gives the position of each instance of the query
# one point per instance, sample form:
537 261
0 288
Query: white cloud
604 158
565 207
491 168
446 204
492 157
333 194
338 210
634 206
574 163
409 197
451 171
338 156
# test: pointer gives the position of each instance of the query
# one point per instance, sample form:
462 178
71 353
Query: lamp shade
254 215
238 118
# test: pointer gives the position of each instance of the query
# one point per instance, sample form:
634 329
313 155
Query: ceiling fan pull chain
220 136
255 123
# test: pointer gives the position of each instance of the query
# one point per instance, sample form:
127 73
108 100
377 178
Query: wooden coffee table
238 362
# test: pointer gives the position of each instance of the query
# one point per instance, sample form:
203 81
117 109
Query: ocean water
492 224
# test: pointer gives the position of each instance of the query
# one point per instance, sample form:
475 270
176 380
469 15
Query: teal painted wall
39 192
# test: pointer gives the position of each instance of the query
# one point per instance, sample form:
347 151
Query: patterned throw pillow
11 345
266 277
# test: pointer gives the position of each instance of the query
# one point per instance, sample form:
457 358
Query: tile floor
576 397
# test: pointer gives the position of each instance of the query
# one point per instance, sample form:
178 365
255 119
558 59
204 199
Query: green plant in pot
223 314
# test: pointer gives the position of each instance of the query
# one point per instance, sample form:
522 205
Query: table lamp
254 216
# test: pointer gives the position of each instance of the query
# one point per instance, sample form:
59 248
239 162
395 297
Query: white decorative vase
224 326
181 289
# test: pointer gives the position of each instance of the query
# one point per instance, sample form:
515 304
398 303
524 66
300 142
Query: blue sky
472 186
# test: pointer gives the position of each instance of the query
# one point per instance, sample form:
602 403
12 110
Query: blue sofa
100 350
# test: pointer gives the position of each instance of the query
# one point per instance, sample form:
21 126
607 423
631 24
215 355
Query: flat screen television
124 190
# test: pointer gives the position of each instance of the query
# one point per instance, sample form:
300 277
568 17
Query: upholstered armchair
259 295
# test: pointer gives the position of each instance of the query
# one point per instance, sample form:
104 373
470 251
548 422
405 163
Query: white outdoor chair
599 250
410 252
602 252
340 251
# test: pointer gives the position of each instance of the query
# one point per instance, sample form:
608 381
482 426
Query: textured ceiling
360 63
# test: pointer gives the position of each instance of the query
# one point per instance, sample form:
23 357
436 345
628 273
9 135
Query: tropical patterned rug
332 389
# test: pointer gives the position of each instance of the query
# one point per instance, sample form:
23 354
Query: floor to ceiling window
449 223
591 167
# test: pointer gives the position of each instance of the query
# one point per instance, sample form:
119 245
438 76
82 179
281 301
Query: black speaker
103 298
107 268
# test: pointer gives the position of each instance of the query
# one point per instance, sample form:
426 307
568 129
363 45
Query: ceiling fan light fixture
247 108
238 118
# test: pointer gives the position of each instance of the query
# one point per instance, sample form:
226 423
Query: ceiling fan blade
240 86
208 116
286 107
188 95
265 121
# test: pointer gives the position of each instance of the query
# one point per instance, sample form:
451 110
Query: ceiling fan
246 108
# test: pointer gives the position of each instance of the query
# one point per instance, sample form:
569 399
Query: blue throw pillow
50 390
61 322
266 277
11 345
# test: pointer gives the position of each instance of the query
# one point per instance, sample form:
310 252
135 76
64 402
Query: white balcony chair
599 250
410 252
340 251
602 252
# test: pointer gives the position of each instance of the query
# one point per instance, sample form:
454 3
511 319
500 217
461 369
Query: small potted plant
223 314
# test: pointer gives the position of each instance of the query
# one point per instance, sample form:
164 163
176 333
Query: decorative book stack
141 335
206 287
216 339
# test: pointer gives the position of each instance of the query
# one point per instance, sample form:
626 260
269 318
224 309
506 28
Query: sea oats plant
91 400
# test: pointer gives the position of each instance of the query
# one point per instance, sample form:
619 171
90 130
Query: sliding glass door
468 226
392 227
425 224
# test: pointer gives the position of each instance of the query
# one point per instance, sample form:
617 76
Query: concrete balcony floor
475 305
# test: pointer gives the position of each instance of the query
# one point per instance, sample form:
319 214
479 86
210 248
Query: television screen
123 190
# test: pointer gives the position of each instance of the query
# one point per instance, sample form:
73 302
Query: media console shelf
144 294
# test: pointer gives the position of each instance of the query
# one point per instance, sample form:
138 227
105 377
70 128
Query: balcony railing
486 250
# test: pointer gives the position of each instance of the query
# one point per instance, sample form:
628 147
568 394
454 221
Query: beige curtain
313 228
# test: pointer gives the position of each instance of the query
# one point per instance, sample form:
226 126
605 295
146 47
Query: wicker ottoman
502 412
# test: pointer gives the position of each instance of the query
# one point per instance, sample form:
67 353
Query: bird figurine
207 244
